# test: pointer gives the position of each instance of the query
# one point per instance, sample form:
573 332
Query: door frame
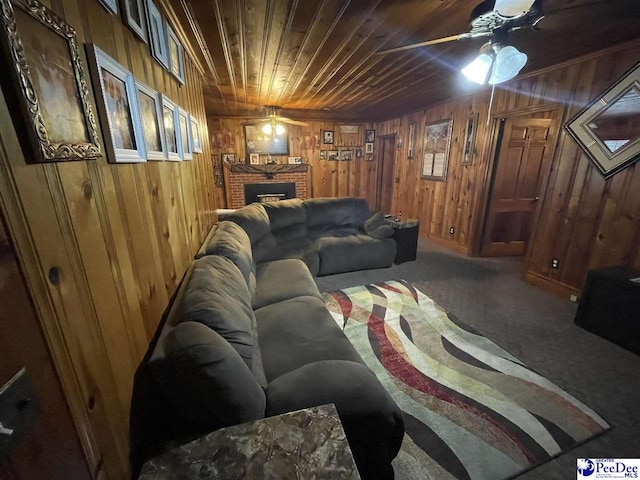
380 172
492 152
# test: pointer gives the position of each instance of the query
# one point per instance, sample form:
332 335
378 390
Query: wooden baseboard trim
451 245
553 286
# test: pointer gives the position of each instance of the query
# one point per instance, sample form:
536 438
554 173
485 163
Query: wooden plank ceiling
314 58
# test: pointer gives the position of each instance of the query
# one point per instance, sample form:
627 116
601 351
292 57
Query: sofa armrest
371 419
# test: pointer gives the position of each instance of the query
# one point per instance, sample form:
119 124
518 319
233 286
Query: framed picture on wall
368 157
369 136
412 140
184 130
437 143
176 54
254 159
150 107
218 176
135 18
323 154
368 148
469 139
196 135
170 122
42 61
110 5
228 158
358 153
157 35
118 108
333 155
327 137
346 155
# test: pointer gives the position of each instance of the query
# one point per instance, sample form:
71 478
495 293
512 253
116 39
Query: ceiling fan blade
292 122
436 41
580 14
255 121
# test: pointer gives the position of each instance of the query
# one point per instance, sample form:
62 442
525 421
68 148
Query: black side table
405 233
610 306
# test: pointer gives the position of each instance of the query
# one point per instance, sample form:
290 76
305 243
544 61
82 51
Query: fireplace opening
268 192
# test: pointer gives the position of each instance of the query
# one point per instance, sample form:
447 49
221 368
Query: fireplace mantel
269 169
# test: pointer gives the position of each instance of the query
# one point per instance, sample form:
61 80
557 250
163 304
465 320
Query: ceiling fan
272 122
497 61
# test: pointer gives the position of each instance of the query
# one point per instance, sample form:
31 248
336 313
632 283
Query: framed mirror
608 129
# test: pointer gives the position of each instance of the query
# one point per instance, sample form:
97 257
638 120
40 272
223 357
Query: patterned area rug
471 410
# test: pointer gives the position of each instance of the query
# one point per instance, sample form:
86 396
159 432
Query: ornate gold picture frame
49 83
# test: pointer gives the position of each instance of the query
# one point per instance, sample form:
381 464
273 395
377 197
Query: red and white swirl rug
471 410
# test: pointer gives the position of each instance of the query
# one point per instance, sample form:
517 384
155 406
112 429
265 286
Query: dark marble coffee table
307 444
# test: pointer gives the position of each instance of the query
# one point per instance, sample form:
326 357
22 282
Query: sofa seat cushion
355 252
217 296
206 381
302 249
332 231
281 280
299 331
230 240
372 421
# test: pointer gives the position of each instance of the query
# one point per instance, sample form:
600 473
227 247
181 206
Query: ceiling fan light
509 62
513 8
478 70
266 129
279 129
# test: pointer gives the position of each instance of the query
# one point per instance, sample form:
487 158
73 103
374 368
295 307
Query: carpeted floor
537 328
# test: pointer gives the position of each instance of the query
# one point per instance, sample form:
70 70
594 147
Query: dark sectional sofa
247 334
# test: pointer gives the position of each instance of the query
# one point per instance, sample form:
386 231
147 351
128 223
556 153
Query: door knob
5 431
535 199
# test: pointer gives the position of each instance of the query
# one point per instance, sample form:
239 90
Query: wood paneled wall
441 205
584 221
356 178
104 246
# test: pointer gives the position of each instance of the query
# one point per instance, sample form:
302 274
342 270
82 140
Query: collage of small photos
347 154
138 123
143 124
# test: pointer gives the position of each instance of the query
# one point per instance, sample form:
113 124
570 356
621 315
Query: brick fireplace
238 175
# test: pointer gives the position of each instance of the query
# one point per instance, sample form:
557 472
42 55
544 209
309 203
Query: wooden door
51 448
522 161
385 178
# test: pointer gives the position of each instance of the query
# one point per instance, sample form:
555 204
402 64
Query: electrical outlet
451 230
573 298
555 263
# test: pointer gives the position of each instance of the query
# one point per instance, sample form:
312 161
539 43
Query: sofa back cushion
230 240
288 219
335 214
255 222
206 381
218 297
